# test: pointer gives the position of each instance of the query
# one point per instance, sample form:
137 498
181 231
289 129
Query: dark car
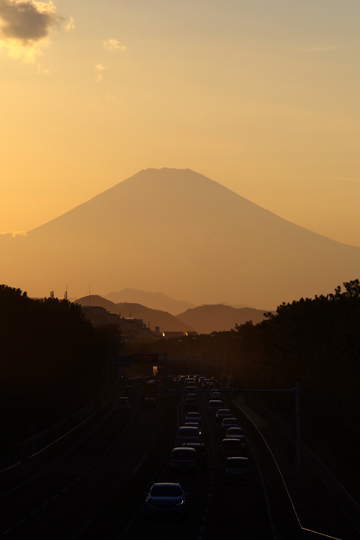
237 469
221 414
232 448
214 406
183 460
227 423
188 434
165 499
201 454
149 403
194 416
191 404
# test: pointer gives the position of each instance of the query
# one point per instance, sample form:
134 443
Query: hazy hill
152 317
207 319
99 301
152 300
181 233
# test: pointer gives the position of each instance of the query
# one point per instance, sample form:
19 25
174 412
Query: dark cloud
28 21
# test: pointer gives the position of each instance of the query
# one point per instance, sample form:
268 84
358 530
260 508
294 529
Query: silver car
165 499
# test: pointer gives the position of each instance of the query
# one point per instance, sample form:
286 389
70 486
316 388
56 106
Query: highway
96 490
215 508
65 497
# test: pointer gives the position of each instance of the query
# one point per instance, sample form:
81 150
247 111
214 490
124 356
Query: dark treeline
315 342
51 362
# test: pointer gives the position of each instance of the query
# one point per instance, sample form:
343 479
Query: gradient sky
261 96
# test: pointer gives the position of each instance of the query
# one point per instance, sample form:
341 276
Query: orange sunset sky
261 96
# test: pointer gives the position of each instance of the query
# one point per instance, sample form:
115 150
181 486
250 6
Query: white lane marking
71 483
204 518
33 512
78 478
6 532
206 510
63 489
54 496
139 464
202 528
45 503
20 521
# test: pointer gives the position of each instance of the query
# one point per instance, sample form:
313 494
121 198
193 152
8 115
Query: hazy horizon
181 233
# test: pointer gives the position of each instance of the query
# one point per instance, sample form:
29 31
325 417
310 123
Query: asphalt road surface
66 496
215 509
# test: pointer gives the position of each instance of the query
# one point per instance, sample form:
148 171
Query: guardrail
345 501
54 441
291 527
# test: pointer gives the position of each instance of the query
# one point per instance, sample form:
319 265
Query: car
221 414
193 423
235 432
228 422
123 404
201 453
149 403
183 460
237 469
213 406
165 499
232 448
188 434
130 389
191 402
194 416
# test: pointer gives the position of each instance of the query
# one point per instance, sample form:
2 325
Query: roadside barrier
345 501
285 512
52 442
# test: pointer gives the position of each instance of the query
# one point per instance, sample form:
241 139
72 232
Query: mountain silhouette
181 233
151 300
219 318
151 317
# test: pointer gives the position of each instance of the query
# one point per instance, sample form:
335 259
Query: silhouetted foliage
50 364
315 342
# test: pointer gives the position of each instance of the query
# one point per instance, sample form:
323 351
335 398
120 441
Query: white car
165 499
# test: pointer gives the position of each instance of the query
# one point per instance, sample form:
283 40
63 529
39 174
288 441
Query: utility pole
298 448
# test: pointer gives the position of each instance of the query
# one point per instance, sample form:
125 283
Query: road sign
145 358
